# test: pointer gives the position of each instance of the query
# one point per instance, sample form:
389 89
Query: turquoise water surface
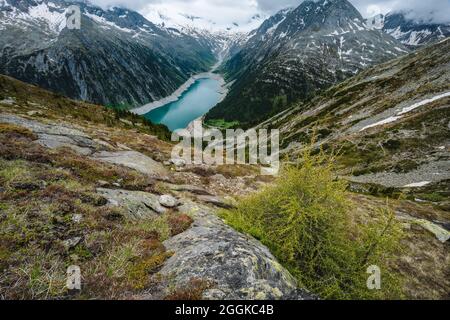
203 95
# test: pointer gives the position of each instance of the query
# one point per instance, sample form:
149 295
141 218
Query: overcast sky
228 11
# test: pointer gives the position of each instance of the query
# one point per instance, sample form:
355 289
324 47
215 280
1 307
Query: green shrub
307 221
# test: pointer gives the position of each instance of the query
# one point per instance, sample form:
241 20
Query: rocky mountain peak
36 47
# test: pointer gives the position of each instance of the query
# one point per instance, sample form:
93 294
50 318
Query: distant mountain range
389 123
411 33
173 19
298 52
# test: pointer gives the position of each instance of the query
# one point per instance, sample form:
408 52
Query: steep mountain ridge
117 57
169 18
296 53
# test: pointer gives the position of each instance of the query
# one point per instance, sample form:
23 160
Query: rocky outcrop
237 266
424 175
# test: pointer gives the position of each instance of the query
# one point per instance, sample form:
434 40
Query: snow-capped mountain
50 15
411 33
117 57
298 52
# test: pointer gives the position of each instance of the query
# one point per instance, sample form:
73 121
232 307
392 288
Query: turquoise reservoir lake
195 102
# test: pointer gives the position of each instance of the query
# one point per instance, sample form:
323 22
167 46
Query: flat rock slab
8 101
238 266
134 160
55 135
432 172
440 233
136 204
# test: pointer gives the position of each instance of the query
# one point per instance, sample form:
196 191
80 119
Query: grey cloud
425 10
437 11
